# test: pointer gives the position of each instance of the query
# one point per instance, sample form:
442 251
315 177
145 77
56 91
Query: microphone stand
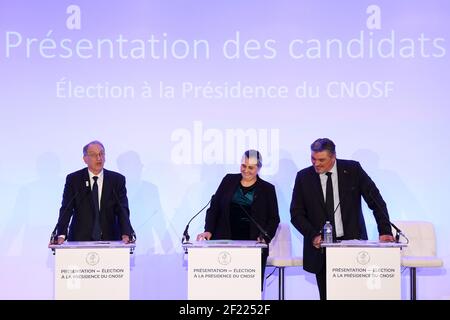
186 236
264 232
133 234
398 232
53 236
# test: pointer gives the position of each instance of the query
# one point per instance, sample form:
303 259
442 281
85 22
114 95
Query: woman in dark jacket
238 197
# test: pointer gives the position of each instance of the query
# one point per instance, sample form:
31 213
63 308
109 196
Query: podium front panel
224 273
92 273
363 273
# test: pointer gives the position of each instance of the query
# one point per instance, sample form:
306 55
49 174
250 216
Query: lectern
363 270
224 269
88 270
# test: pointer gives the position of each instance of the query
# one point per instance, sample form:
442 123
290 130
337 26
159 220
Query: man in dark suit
331 190
94 202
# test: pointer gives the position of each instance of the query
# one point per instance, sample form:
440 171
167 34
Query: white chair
421 249
280 255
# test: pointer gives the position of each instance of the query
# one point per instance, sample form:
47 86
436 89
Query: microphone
334 212
127 216
398 232
62 216
186 236
263 232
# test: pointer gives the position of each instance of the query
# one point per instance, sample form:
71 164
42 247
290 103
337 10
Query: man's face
95 158
322 161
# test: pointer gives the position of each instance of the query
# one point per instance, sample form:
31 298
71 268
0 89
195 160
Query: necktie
329 199
96 230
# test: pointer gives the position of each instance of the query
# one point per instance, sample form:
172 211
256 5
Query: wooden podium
363 270
224 269
88 270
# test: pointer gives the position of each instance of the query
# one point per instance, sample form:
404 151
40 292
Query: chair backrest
280 246
422 238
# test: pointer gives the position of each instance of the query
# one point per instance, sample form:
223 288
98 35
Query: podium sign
92 270
224 269
363 270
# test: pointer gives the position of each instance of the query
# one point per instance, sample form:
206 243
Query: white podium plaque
224 269
92 270
363 270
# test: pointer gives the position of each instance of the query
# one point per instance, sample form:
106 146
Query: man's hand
204 236
317 241
60 240
386 238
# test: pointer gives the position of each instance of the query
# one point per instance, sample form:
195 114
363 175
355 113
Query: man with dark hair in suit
331 190
94 202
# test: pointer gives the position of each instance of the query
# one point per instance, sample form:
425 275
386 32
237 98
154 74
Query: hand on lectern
204 236
57 240
317 241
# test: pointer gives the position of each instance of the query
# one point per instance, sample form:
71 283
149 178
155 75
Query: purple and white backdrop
177 90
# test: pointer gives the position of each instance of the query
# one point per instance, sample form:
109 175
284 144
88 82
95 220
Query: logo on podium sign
363 257
92 258
224 258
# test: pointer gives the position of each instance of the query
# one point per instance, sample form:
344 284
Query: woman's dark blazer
264 209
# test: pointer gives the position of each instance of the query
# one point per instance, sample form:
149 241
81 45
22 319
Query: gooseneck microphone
398 232
126 216
62 216
186 236
261 229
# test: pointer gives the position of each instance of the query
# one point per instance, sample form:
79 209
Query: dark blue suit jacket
78 208
308 213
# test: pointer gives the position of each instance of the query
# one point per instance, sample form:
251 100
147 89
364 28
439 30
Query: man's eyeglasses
96 155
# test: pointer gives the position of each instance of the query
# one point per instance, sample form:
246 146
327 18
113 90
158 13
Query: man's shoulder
113 174
309 171
78 173
347 164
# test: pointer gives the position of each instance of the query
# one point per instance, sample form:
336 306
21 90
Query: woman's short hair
254 154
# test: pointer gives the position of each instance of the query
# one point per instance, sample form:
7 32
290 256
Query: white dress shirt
99 183
339 228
